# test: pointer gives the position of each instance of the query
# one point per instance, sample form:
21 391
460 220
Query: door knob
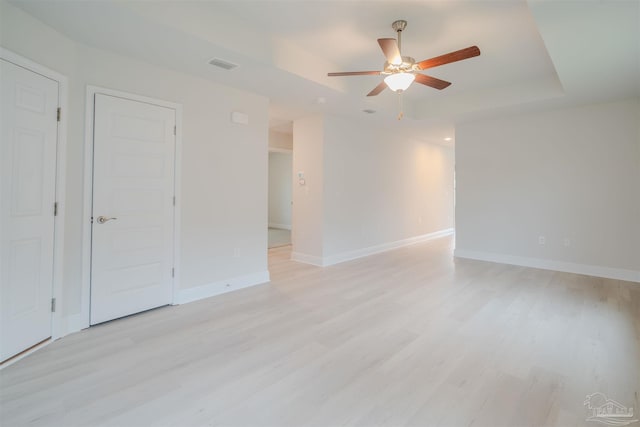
103 219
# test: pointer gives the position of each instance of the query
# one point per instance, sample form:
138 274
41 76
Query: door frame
88 191
59 327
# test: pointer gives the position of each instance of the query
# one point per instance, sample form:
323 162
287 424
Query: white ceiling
534 53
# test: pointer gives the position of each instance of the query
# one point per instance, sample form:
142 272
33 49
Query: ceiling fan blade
391 50
355 73
382 86
431 81
448 58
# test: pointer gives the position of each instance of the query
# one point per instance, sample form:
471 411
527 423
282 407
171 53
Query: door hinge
55 208
173 272
58 113
53 305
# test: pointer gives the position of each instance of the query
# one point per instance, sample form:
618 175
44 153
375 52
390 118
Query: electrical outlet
541 240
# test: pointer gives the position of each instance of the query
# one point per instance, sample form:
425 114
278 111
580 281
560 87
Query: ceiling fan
401 71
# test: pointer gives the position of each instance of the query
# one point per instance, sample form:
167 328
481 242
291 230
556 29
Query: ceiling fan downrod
399 26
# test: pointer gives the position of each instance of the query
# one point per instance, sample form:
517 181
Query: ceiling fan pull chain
401 114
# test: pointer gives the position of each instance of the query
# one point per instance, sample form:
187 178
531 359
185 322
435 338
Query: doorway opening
280 183
280 164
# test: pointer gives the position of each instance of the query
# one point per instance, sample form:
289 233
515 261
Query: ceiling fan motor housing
408 65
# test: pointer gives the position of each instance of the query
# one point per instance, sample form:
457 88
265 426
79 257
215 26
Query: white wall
224 193
280 140
280 177
382 187
563 174
379 190
307 212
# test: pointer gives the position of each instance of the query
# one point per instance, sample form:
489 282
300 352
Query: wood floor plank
411 337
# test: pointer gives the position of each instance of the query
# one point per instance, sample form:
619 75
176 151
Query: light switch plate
240 118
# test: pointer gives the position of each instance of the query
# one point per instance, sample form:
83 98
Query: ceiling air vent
221 63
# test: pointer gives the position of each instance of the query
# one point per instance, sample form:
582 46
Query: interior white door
133 188
29 137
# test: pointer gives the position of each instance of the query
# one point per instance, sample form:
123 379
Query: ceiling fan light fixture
399 82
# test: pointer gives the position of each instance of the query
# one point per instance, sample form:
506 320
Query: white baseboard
70 324
547 264
280 226
223 286
306 259
359 253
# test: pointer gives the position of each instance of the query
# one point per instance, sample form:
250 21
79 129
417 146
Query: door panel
29 138
132 254
27 185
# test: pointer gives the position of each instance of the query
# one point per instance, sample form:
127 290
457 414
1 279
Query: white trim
280 226
31 65
371 250
177 212
547 264
86 211
84 317
58 325
75 322
306 259
359 253
221 287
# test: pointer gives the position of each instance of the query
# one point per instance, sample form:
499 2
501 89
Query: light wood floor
408 337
